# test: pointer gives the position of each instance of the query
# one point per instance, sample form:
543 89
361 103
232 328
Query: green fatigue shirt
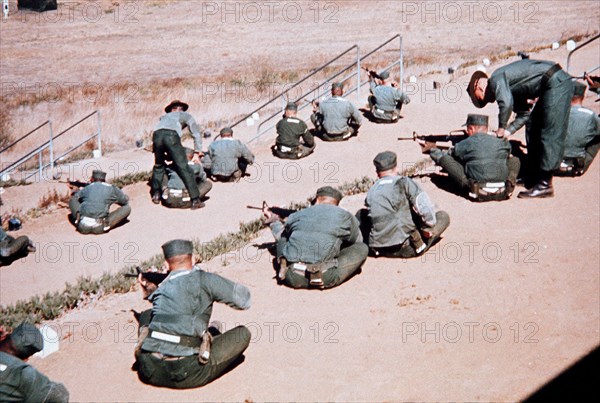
182 305
391 201
177 121
224 155
20 382
513 85
485 157
387 97
336 111
584 127
316 234
289 131
175 181
97 197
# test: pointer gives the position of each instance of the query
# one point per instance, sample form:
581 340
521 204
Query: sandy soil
504 302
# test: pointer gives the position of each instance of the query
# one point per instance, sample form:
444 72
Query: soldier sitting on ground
90 207
336 118
289 131
386 100
176 347
175 194
12 248
481 164
227 158
583 137
19 381
320 246
400 219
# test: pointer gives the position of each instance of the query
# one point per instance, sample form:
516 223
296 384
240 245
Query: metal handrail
295 85
49 144
579 47
260 132
24 137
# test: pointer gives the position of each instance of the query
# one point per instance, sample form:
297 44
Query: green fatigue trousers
167 146
187 372
103 224
548 123
13 247
348 264
456 171
407 248
172 201
299 152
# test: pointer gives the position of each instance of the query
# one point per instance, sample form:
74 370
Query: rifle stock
151 276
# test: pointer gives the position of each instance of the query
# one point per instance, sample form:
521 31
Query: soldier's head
384 75
291 109
477 89
23 342
386 163
98 176
337 89
328 195
178 254
578 93
176 106
226 132
476 124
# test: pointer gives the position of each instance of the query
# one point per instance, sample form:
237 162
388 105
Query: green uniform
181 308
166 141
175 194
20 382
389 220
227 159
386 101
287 144
337 119
11 248
321 234
92 204
481 158
512 85
583 136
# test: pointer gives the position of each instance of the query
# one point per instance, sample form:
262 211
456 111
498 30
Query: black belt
548 74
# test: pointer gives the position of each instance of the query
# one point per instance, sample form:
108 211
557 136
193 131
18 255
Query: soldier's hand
426 146
147 287
502 133
315 105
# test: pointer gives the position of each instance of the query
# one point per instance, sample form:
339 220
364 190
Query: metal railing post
51 145
41 163
401 64
577 48
99 134
357 73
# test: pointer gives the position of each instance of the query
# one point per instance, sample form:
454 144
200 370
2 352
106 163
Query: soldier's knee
243 335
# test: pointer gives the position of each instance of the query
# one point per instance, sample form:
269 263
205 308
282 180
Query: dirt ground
507 300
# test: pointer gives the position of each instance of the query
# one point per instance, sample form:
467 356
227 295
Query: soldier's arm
419 201
372 84
307 136
523 111
355 235
38 388
355 113
190 122
401 97
504 98
120 197
228 292
246 153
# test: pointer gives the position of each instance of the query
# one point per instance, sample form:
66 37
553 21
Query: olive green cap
385 160
177 247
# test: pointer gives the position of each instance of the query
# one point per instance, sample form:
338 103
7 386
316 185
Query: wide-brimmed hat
175 103
471 88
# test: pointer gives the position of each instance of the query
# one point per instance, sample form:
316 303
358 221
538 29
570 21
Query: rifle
371 73
281 212
77 184
454 137
151 276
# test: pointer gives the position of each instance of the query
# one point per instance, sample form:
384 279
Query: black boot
156 197
543 188
196 204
